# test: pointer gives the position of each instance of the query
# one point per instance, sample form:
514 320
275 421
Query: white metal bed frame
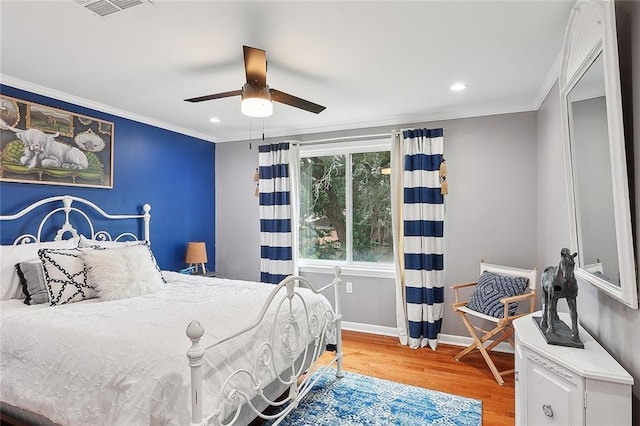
301 378
67 209
300 368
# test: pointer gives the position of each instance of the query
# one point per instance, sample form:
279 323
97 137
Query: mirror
592 181
596 159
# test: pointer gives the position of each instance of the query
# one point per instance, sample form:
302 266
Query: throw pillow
11 255
33 283
493 287
65 275
121 273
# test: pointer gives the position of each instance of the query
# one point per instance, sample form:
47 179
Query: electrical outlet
349 287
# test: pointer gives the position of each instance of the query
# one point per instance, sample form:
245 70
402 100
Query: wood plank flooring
384 357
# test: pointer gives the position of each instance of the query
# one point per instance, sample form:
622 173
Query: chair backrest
531 274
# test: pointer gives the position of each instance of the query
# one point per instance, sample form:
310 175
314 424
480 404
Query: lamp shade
256 101
196 253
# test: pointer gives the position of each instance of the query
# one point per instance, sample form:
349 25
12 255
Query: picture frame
40 144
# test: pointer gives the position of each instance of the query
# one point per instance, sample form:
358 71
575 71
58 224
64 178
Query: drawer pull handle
547 410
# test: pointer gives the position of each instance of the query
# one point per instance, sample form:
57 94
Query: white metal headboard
67 207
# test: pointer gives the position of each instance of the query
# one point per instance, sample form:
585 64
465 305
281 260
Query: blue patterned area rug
361 400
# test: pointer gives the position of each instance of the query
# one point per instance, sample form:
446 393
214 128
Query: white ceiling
370 63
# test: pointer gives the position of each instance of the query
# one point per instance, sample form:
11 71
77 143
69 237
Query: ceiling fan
256 94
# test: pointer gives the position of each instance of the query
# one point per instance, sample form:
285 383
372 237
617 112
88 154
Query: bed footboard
301 363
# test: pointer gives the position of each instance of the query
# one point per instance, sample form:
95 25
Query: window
345 204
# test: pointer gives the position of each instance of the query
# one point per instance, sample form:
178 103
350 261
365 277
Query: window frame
349 267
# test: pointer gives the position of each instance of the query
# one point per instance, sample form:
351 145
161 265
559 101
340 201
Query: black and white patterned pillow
493 287
65 275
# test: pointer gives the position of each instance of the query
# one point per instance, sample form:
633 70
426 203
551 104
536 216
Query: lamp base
203 269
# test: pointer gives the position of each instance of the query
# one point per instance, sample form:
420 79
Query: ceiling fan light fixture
256 101
256 107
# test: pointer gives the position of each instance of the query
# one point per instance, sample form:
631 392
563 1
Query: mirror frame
591 31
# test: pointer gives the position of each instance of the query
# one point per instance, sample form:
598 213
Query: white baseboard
370 328
448 339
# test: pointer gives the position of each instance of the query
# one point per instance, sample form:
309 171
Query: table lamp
197 255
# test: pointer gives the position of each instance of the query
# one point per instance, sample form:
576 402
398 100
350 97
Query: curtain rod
345 138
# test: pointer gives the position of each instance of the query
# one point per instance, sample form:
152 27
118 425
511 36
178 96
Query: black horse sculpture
558 282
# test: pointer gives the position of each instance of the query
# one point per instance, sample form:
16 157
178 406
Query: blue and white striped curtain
421 222
276 212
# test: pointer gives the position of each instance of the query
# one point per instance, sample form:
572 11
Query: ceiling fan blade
215 96
255 65
294 101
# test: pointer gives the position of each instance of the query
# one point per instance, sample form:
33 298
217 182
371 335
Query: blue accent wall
172 172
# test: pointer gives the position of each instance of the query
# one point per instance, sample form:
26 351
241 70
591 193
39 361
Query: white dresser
557 385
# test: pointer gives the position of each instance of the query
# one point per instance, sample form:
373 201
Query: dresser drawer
555 394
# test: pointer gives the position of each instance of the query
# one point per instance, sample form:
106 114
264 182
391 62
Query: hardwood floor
384 357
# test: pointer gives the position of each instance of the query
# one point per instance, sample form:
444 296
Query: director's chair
495 298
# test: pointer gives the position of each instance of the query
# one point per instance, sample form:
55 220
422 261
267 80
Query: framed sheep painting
45 145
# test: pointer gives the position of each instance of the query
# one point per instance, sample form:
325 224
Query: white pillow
66 275
121 273
86 242
10 256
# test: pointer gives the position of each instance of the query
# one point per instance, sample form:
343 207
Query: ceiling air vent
107 7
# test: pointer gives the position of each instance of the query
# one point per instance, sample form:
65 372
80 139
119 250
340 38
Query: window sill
350 270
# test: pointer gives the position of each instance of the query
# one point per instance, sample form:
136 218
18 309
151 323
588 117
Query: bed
106 343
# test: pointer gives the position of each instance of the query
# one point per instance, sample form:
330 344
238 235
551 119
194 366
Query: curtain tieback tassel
444 187
443 168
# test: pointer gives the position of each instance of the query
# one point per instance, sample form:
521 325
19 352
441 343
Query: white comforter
124 362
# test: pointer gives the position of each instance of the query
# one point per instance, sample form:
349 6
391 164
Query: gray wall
237 220
490 210
614 325
553 205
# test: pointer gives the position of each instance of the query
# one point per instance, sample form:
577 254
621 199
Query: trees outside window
345 205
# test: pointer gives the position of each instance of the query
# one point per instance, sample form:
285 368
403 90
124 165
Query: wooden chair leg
478 343
491 365
505 335
472 332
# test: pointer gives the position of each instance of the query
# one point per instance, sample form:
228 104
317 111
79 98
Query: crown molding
397 121
550 80
547 85
62 96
